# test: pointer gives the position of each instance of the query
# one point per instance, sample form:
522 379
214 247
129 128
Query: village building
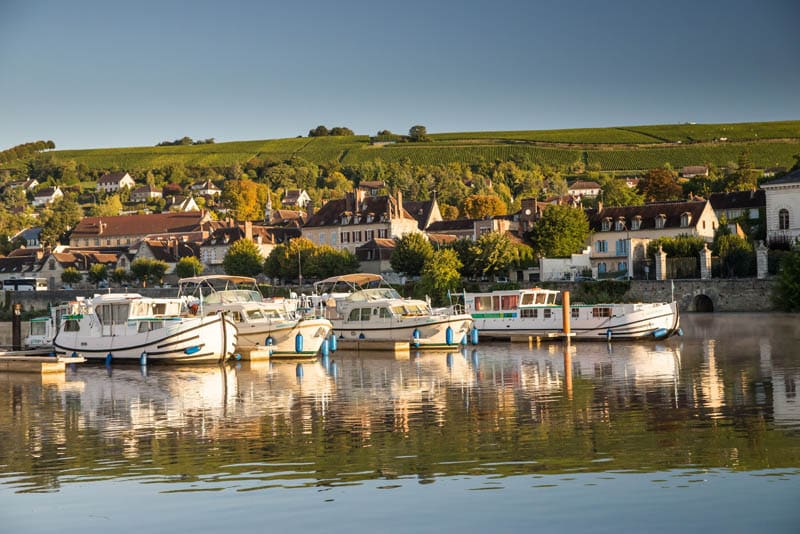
115 181
739 205
29 237
214 248
373 188
129 229
179 203
349 222
145 193
783 208
620 234
374 257
47 196
20 263
296 198
206 189
426 212
56 262
693 171
461 228
581 189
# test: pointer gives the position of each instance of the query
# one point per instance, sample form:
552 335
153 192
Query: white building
783 207
46 196
114 181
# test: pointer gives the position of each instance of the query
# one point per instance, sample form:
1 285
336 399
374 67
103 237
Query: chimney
248 230
175 249
399 203
599 206
349 201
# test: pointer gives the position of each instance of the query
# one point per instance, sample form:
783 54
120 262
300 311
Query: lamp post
299 269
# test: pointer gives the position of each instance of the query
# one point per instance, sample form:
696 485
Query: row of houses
368 225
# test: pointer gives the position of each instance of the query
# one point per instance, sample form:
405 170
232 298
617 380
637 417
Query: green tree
97 273
325 261
736 255
440 275
467 252
319 131
71 276
148 271
560 232
189 266
786 292
659 184
745 178
480 206
681 246
617 193
243 259
56 221
287 261
495 255
410 254
111 206
418 133
120 276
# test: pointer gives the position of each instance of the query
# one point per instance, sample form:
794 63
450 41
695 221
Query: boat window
547 313
541 298
575 313
551 298
159 308
495 302
71 325
527 298
236 316
254 314
365 313
398 310
385 313
38 328
355 315
509 302
529 312
483 303
155 325
144 326
601 312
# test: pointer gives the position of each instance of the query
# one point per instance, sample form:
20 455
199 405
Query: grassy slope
624 148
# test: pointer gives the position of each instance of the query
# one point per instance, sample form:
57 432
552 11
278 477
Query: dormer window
661 220
606 224
345 219
620 224
636 223
686 219
370 217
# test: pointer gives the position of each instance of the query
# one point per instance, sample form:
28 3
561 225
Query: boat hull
432 330
657 321
283 336
197 340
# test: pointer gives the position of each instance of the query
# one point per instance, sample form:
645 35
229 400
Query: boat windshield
378 293
38 327
233 295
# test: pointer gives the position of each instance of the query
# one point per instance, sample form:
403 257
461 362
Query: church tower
268 209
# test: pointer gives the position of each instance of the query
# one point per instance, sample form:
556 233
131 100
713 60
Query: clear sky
110 74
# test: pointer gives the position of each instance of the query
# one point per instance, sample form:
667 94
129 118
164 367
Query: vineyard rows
576 136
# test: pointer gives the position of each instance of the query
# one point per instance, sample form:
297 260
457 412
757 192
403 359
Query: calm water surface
696 433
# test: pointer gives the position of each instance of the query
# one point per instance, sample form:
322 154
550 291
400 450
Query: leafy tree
681 246
341 130
319 131
440 275
245 198
659 184
745 178
617 193
736 255
97 273
120 276
480 206
243 259
495 254
560 232
56 221
325 261
189 266
111 206
467 252
786 292
418 133
410 254
71 276
287 261
148 271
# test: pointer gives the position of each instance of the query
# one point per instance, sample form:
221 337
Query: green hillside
629 148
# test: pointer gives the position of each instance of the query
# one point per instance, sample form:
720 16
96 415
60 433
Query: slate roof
791 178
17 265
420 210
165 251
648 212
82 260
456 224
269 235
47 192
442 239
331 213
738 199
111 178
580 184
383 246
126 225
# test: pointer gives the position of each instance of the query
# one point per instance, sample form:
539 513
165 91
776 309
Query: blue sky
109 74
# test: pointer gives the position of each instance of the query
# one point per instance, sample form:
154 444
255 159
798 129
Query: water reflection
723 396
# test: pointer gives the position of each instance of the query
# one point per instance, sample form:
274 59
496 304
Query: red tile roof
133 225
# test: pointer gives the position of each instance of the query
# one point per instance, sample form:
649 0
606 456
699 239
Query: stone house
55 263
426 212
692 171
206 189
783 207
620 234
114 181
349 222
297 198
145 193
126 230
214 248
583 188
46 196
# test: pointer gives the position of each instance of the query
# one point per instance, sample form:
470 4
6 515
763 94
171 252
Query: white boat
363 307
126 325
503 314
275 323
40 334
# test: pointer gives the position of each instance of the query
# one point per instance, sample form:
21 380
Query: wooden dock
35 361
398 348
257 353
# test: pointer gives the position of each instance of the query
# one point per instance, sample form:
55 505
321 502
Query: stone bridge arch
703 303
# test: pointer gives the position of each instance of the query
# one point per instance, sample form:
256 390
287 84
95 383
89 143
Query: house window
321 238
783 219
660 221
636 223
606 224
601 246
622 266
622 247
333 238
686 218
620 224
369 235
383 233
601 267
575 313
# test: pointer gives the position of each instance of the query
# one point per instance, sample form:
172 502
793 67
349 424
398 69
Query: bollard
474 335
333 342
448 336
16 327
325 348
143 358
298 343
566 314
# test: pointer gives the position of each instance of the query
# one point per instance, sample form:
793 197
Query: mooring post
16 327
566 314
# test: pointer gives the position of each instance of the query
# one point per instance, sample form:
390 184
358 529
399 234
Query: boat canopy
356 278
215 277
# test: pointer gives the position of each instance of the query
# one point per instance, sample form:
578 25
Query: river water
690 434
